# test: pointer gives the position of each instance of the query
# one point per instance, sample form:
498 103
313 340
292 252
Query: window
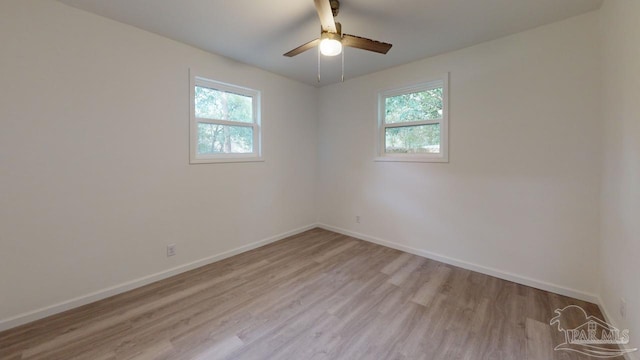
412 123
225 122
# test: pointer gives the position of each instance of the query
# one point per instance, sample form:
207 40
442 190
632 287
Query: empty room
319 179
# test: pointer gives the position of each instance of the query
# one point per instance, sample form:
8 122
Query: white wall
94 173
621 176
520 196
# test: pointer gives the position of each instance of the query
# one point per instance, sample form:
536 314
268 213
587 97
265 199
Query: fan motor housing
335 7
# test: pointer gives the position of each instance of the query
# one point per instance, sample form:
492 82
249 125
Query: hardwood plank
400 275
397 263
431 285
539 344
221 349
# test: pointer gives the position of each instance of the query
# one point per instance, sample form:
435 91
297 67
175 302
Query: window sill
422 159
225 160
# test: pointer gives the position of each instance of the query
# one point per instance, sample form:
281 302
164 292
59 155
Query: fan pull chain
343 65
318 64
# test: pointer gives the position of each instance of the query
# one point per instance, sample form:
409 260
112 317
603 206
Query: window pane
223 139
421 139
424 105
222 105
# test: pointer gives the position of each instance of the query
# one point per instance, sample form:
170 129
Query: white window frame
443 156
194 157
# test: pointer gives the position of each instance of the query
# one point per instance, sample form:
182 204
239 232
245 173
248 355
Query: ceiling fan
332 39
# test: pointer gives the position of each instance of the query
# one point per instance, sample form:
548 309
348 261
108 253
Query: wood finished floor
316 295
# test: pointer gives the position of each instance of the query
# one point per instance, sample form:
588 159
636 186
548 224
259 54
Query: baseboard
609 320
38 314
542 285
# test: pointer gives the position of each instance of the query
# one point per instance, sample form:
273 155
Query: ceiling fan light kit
331 44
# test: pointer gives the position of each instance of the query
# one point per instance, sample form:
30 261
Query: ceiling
258 32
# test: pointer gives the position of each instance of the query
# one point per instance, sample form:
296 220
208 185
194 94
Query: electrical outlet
171 250
358 219
623 308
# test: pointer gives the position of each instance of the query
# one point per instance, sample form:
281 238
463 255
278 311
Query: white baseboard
34 315
557 289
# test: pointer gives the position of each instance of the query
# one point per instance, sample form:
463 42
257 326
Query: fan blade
326 15
365 44
302 48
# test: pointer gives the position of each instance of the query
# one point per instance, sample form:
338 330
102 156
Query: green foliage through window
223 139
417 106
418 139
222 105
